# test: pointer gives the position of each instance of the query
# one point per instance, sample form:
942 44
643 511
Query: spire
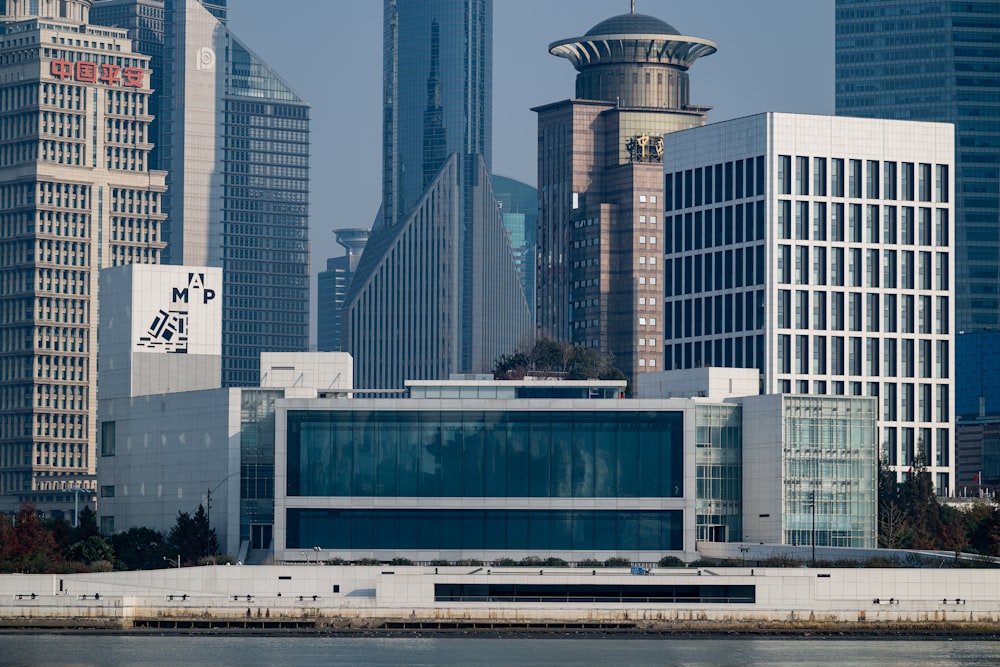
633 7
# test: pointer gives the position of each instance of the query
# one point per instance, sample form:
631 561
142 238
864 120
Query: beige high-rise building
599 280
76 195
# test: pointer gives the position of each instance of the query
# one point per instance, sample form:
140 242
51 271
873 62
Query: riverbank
386 599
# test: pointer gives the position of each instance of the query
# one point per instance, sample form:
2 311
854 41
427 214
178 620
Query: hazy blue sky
774 55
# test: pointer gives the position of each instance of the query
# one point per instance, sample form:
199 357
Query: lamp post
171 561
76 505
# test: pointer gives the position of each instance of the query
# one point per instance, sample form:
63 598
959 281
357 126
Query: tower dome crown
632 24
633 60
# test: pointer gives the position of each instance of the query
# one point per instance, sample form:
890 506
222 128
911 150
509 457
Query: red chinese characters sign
87 72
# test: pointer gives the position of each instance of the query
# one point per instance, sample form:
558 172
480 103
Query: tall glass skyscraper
437 290
437 95
234 139
939 61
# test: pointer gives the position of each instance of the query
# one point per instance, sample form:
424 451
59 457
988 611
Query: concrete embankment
363 599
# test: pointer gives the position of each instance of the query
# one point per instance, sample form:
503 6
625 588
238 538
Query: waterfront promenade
309 597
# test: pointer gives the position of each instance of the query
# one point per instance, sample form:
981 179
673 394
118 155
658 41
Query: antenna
633 7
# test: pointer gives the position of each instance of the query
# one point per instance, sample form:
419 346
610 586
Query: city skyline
346 163
438 265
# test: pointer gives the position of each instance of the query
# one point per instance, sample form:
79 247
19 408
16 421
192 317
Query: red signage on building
88 72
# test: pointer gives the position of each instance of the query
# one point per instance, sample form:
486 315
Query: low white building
171 438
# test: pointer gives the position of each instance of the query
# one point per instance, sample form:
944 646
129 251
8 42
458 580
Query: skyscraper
331 288
437 289
519 210
236 149
818 249
939 61
76 194
600 185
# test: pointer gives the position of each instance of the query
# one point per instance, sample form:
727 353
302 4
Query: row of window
863 179
851 311
889 269
485 454
403 530
856 356
715 184
869 223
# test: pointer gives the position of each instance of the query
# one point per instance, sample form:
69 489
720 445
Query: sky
774 55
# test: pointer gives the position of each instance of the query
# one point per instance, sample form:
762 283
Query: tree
25 545
575 362
91 550
192 538
140 549
86 525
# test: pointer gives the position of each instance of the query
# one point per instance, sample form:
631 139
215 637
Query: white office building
819 250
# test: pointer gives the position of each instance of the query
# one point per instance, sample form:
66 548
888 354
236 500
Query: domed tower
77 11
599 269
634 60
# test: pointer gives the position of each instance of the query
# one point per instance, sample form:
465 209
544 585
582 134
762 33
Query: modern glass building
519 210
719 458
477 469
236 147
437 290
331 288
827 489
234 139
939 61
493 456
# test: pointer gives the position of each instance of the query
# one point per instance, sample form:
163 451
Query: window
837 177
785 174
819 177
107 438
941 183
889 171
801 175
107 492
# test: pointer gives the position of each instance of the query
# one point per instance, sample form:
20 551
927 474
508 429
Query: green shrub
401 561
368 561
590 562
671 561
617 562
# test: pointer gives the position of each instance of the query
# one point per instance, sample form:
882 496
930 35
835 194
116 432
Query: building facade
234 139
819 250
485 470
937 61
437 289
76 194
331 288
977 407
519 211
170 437
600 184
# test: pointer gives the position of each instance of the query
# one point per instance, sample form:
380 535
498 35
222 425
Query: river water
39 650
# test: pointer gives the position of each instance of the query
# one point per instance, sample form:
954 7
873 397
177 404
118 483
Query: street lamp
76 504
316 549
172 562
